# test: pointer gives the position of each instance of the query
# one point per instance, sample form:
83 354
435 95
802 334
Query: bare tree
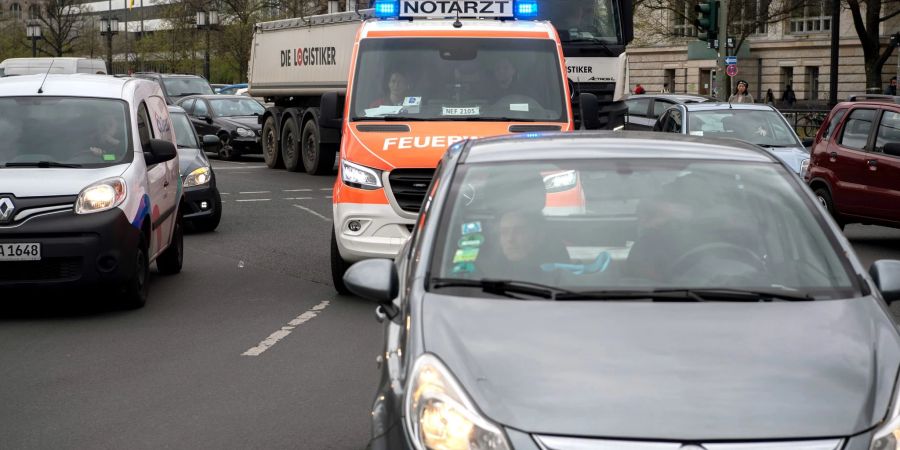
868 29
61 21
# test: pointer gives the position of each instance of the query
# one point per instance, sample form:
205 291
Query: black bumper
247 145
76 250
196 196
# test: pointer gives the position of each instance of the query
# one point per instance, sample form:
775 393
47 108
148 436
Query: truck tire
290 145
318 158
137 287
172 259
271 152
338 267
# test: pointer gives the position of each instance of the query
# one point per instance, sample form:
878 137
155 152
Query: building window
33 12
669 81
812 82
682 15
753 17
811 16
15 11
787 78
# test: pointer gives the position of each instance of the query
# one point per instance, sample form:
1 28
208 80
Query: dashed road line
255 192
296 190
313 213
273 338
253 200
298 198
325 189
238 168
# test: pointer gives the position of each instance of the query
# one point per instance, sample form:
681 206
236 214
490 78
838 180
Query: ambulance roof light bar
526 9
521 9
386 9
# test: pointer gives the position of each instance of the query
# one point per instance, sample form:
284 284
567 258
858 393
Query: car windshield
231 107
581 20
459 79
639 224
178 87
184 130
64 130
761 127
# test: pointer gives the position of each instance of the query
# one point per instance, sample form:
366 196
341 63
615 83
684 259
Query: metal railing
806 122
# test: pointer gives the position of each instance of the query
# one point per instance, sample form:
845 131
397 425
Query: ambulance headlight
385 9
526 9
361 177
101 196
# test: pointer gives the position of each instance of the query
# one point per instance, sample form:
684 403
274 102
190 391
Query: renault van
29 66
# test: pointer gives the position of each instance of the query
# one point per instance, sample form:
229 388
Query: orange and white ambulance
416 83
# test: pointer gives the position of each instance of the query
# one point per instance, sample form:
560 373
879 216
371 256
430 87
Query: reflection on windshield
595 225
231 107
582 19
459 79
178 87
184 130
765 128
84 131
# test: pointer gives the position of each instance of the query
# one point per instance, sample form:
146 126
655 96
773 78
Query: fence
806 122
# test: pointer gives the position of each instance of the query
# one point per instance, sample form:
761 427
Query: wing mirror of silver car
374 279
886 275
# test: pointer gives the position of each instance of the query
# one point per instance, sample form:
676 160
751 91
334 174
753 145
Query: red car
854 168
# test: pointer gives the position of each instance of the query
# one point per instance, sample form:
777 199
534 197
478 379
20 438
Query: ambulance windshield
582 20
459 79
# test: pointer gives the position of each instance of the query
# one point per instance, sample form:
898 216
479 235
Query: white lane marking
298 198
326 189
273 338
254 200
296 190
329 196
239 168
225 193
255 192
313 213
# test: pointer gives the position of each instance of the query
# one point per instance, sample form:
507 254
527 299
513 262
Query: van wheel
270 145
227 151
171 260
824 198
290 146
338 267
318 159
136 289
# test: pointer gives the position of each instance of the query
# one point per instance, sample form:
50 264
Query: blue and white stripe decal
142 212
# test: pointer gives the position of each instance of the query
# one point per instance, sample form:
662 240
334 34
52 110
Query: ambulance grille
408 186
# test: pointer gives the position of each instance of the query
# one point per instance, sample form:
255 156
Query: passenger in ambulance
398 87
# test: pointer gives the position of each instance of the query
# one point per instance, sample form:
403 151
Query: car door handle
166 183
872 163
833 155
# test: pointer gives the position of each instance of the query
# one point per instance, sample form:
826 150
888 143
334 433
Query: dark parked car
176 86
233 118
644 109
203 204
702 299
855 164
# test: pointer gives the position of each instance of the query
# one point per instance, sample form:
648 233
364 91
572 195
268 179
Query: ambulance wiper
390 119
488 119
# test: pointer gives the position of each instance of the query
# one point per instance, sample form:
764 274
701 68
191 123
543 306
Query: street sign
731 60
731 70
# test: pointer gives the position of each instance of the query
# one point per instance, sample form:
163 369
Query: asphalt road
249 347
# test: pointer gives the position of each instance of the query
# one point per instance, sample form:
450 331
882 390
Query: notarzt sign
454 8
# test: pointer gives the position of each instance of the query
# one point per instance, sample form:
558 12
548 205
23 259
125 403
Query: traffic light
707 21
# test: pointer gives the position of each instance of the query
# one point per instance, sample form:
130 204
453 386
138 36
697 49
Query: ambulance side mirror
330 110
590 111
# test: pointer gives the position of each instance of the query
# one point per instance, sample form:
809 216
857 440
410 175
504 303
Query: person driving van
105 140
398 87
505 79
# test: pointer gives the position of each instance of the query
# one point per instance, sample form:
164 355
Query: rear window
179 87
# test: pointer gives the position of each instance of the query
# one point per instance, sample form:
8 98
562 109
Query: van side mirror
892 148
160 151
373 279
886 275
589 107
211 143
330 110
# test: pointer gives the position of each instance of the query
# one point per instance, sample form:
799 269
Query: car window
634 223
184 131
672 123
888 130
660 106
200 109
188 106
857 129
833 123
764 127
638 106
145 130
179 87
236 107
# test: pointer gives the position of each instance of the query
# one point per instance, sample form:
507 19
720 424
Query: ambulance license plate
30 251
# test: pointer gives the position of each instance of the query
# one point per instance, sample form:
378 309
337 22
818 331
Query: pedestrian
892 87
788 96
638 89
741 96
770 97
665 89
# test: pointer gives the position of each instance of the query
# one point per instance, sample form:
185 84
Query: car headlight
804 168
101 196
198 177
359 176
243 132
887 437
560 181
439 415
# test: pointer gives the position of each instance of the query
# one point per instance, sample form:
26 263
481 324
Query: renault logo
7 208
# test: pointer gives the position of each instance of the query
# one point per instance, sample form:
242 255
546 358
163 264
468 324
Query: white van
90 191
29 66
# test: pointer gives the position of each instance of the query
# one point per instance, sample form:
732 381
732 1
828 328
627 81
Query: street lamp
33 31
207 20
108 27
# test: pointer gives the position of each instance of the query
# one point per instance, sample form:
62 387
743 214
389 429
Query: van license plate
20 252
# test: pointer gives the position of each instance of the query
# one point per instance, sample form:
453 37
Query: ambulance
421 75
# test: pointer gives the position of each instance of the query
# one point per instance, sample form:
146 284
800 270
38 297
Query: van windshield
81 132
459 79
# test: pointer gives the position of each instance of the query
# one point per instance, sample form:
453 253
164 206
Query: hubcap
311 148
290 145
822 201
270 142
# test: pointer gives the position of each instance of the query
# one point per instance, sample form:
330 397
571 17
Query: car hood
251 122
689 372
190 159
792 156
37 182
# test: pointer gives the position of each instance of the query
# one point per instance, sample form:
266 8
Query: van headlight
101 196
243 132
358 176
197 177
439 415
560 181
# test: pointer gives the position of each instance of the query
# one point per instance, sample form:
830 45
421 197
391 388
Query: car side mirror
808 142
886 275
160 152
211 143
892 148
373 279
589 108
330 110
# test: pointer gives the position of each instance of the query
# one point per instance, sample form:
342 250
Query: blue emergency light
526 9
385 9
